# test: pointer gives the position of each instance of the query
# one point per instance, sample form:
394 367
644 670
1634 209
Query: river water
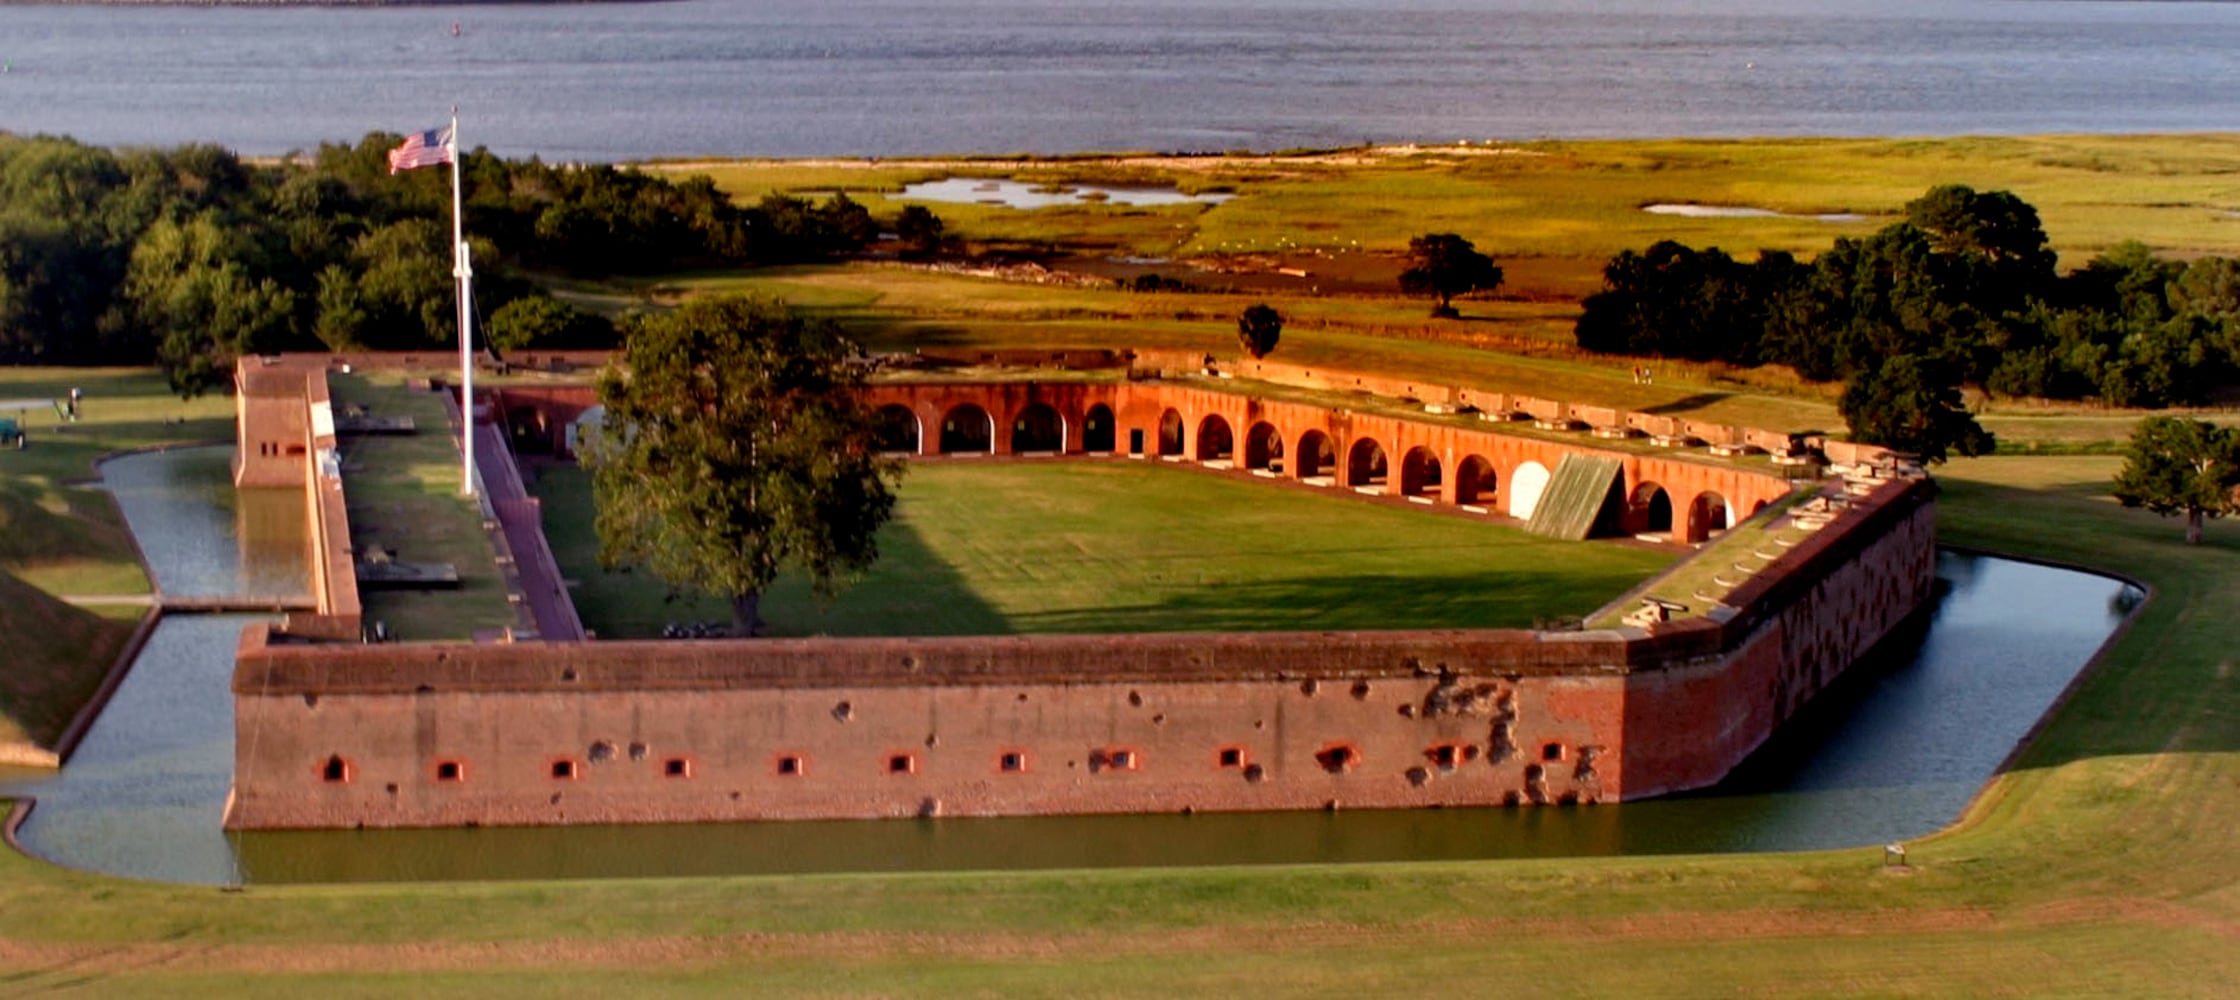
1893 753
890 77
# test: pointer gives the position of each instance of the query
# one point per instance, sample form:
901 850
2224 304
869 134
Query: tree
1446 265
541 322
1258 330
736 444
1913 404
919 231
2174 465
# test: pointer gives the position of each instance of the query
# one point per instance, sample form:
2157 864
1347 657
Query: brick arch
1420 474
1649 509
1316 455
967 429
1099 430
1475 482
1263 447
1215 440
899 429
1170 433
1367 463
1038 427
1525 483
1707 513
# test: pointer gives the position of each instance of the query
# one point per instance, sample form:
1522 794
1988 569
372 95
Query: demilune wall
453 734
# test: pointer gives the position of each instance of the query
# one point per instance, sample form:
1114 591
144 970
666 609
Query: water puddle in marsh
1894 752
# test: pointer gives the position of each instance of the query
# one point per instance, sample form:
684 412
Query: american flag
422 149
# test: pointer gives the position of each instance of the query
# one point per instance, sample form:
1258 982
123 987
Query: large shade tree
736 445
2177 466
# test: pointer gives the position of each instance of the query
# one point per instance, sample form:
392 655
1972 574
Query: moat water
1893 753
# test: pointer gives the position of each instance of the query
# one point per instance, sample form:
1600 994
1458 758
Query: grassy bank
2101 865
59 537
980 548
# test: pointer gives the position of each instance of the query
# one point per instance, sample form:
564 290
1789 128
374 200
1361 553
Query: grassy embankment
61 538
2100 865
1001 548
404 495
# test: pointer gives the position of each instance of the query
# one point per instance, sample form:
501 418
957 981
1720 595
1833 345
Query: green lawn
404 495
1118 546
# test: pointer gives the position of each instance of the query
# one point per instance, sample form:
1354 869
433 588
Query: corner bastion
344 734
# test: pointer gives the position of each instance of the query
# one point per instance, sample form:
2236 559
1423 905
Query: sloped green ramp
1574 497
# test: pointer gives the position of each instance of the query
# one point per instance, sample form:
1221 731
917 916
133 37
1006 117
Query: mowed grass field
987 547
2102 864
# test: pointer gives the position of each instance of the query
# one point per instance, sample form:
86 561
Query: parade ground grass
984 547
2101 863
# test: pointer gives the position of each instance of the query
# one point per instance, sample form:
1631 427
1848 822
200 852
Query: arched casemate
1420 475
1038 428
1099 432
1263 447
1708 515
1316 456
967 429
1525 485
897 428
1475 481
1170 433
1365 463
1649 510
1215 441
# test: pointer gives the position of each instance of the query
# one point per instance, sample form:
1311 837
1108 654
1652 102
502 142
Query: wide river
583 81
1893 753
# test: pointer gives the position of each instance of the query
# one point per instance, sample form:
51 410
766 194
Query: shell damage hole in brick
1229 757
844 711
902 763
1338 758
1360 690
677 767
1445 755
1310 687
637 751
450 770
1418 776
601 752
310 700
1254 773
1011 761
564 769
1135 699
337 771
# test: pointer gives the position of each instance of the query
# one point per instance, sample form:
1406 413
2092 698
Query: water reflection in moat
1894 752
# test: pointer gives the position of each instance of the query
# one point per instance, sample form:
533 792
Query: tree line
189 257
1962 292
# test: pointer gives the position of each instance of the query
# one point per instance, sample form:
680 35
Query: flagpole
462 270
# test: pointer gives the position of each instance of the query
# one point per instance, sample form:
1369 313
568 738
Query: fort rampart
417 734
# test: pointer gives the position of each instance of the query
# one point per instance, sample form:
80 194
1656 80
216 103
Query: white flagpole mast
462 270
